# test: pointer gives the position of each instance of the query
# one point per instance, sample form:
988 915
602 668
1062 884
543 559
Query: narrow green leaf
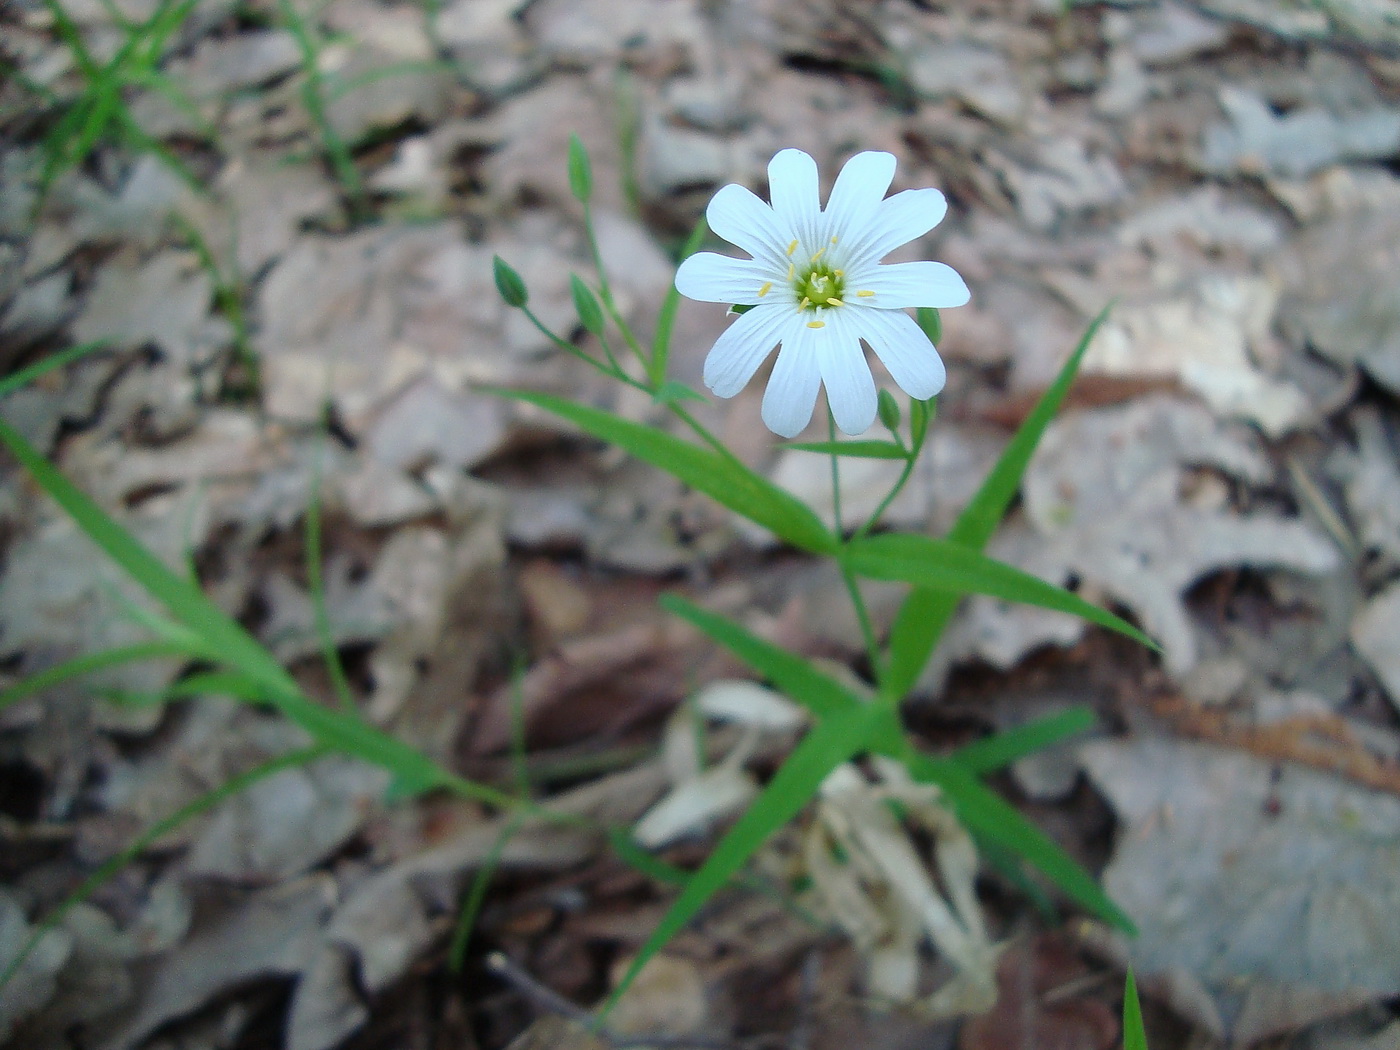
27 375
723 479
986 814
90 662
942 565
673 390
580 171
854 449
1001 749
925 613
509 283
1134 1035
833 741
220 634
666 318
185 602
789 673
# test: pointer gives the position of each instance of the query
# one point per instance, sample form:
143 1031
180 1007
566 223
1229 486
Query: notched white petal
742 347
850 388
794 187
714 278
792 390
742 217
898 220
862 184
899 286
904 349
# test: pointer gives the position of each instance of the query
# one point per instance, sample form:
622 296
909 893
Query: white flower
817 287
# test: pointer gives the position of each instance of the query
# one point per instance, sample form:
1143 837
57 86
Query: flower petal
902 346
713 278
793 185
898 286
862 184
898 220
741 217
742 347
850 388
792 389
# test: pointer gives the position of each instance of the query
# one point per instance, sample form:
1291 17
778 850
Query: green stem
605 294
867 630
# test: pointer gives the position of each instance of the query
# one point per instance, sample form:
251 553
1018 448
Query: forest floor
275 219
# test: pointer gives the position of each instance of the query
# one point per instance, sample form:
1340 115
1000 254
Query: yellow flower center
818 285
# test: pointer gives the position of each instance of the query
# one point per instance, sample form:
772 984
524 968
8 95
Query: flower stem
867 631
605 292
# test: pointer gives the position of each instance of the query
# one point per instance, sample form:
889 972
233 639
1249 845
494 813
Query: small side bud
586 303
931 323
509 283
580 171
889 410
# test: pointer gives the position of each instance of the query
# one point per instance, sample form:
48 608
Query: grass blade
789 673
89 663
995 752
1134 1035
25 376
832 742
724 480
666 318
925 613
220 634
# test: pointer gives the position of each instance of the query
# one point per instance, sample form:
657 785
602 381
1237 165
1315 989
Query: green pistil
819 286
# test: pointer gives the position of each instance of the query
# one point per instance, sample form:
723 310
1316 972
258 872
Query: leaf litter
1235 491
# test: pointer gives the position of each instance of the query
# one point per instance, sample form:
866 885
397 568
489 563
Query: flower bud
509 283
580 171
931 323
586 303
889 410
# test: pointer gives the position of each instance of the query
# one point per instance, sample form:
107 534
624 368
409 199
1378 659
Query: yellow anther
763 289
804 303
833 301
839 273
833 238
816 324
791 270
865 295
819 254
792 247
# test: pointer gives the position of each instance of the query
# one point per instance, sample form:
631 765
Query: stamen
819 254
763 289
791 270
833 238
865 295
839 273
833 301
816 324
804 303
792 248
